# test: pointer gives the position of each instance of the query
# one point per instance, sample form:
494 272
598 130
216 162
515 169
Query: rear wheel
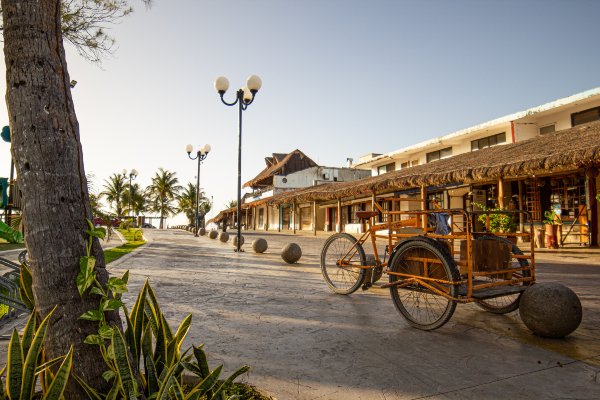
423 304
510 302
341 258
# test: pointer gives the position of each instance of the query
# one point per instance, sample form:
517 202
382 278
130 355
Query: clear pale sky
341 78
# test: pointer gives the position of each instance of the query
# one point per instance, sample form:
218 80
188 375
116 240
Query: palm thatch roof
281 164
565 150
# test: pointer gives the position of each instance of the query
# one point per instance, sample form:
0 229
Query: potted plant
551 222
497 222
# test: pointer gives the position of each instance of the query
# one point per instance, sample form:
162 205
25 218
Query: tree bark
49 161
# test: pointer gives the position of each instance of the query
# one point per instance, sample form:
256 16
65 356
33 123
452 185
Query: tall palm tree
163 192
137 200
114 192
186 203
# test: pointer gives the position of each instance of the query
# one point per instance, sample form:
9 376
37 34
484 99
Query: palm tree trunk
49 161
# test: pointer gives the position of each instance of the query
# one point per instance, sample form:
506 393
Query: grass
134 239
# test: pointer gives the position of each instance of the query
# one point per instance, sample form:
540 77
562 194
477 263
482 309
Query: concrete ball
201 231
213 234
291 253
260 245
550 310
224 237
234 241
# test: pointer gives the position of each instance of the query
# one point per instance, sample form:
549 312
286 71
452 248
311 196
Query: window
408 164
352 210
544 130
439 154
261 217
414 163
488 141
583 117
386 168
435 198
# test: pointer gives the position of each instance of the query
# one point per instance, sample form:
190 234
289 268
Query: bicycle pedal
366 286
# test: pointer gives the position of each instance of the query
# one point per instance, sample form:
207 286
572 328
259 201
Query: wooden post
315 218
254 218
280 222
339 215
247 220
424 207
521 219
501 192
294 216
267 217
591 175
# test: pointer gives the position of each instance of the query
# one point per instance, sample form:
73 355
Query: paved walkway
303 342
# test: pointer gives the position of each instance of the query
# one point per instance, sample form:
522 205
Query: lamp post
244 97
201 155
132 175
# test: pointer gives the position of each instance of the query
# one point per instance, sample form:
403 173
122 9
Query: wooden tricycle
434 259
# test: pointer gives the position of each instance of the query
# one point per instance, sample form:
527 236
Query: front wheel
341 259
424 290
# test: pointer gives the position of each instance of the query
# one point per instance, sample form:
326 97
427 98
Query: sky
341 78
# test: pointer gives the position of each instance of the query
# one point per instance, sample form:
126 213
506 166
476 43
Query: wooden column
424 206
254 218
521 216
315 218
500 192
294 216
591 175
267 217
280 221
339 215
247 220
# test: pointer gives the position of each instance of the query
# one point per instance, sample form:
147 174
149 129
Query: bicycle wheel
510 302
338 249
422 307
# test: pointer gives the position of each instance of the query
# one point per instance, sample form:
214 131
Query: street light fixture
244 97
132 175
201 155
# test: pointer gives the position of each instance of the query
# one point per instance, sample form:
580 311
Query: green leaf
91 392
124 371
14 368
151 375
176 389
108 375
86 276
31 359
163 392
93 339
98 291
182 331
39 369
111 305
105 332
201 359
116 285
28 332
92 315
59 383
96 233
26 292
230 380
125 277
206 385
86 264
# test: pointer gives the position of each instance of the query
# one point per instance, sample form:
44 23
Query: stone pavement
304 342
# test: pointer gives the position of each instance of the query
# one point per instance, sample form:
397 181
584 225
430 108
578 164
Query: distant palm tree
186 204
114 192
163 192
137 199
231 203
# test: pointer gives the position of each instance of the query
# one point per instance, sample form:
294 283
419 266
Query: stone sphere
224 237
213 234
550 310
291 253
260 245
234 241
201 231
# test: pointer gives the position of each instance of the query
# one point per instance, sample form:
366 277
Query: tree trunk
49 162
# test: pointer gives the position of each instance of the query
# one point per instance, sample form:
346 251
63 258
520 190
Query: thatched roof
281 164
565 150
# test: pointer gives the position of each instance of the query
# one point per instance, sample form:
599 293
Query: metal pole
197 196
129 195
240 95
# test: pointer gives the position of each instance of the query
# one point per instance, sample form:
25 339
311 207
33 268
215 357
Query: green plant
26 363
598 197
550 218
498 222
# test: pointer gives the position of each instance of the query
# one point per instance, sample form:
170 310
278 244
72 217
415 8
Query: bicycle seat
366 214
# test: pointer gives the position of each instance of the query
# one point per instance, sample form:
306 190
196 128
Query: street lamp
201 154
244 97
132 175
